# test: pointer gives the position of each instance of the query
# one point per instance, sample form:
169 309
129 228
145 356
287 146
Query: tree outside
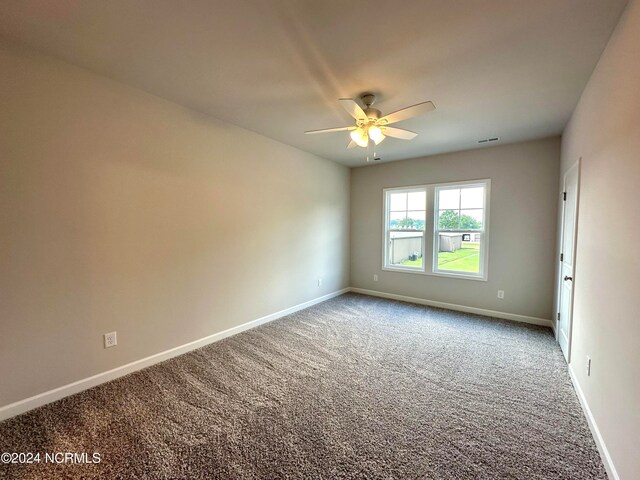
452 220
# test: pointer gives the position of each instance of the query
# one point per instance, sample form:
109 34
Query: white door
567 256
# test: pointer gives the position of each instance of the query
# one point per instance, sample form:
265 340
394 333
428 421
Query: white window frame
387 233
484 233
430 262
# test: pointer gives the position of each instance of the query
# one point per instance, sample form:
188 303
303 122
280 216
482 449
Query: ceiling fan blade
352 144
353 108
327 130
400 133
406 113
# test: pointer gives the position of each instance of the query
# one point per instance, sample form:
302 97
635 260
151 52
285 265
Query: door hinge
564 196
558 316
561 256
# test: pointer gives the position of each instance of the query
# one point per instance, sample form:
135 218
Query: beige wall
605 131
524 180
121 211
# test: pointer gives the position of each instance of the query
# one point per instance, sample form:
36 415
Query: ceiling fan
371 126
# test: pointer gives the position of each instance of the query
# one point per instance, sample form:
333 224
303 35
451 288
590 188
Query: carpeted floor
356 387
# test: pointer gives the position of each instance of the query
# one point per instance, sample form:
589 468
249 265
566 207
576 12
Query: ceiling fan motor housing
367 100
372 113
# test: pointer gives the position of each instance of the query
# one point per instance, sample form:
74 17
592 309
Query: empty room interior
268 239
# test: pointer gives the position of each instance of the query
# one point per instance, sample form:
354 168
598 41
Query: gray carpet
356 387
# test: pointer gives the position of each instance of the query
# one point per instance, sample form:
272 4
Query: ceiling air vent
489 140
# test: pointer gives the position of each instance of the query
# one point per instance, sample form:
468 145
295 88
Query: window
405 225
456 235
459 229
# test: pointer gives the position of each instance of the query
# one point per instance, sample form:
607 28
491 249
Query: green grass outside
467 259
412 263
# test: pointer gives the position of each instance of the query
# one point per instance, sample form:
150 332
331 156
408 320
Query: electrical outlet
110 339
375 278
319 282
588 365
500 294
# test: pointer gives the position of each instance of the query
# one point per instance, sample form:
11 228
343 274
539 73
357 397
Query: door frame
576 165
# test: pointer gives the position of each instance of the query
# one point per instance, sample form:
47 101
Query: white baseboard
595 431
460 308
30 403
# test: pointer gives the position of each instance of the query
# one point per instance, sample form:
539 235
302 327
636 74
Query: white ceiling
513 69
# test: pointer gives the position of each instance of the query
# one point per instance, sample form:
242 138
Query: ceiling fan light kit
360 137
371 126
375 134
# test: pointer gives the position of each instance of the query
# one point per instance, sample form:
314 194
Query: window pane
449 199
396 219
406 224
405 249
397 202
416 219
472 197
448 220
459 252
471 219
417 201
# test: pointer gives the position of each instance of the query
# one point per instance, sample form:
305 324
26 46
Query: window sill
405 270
435 274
